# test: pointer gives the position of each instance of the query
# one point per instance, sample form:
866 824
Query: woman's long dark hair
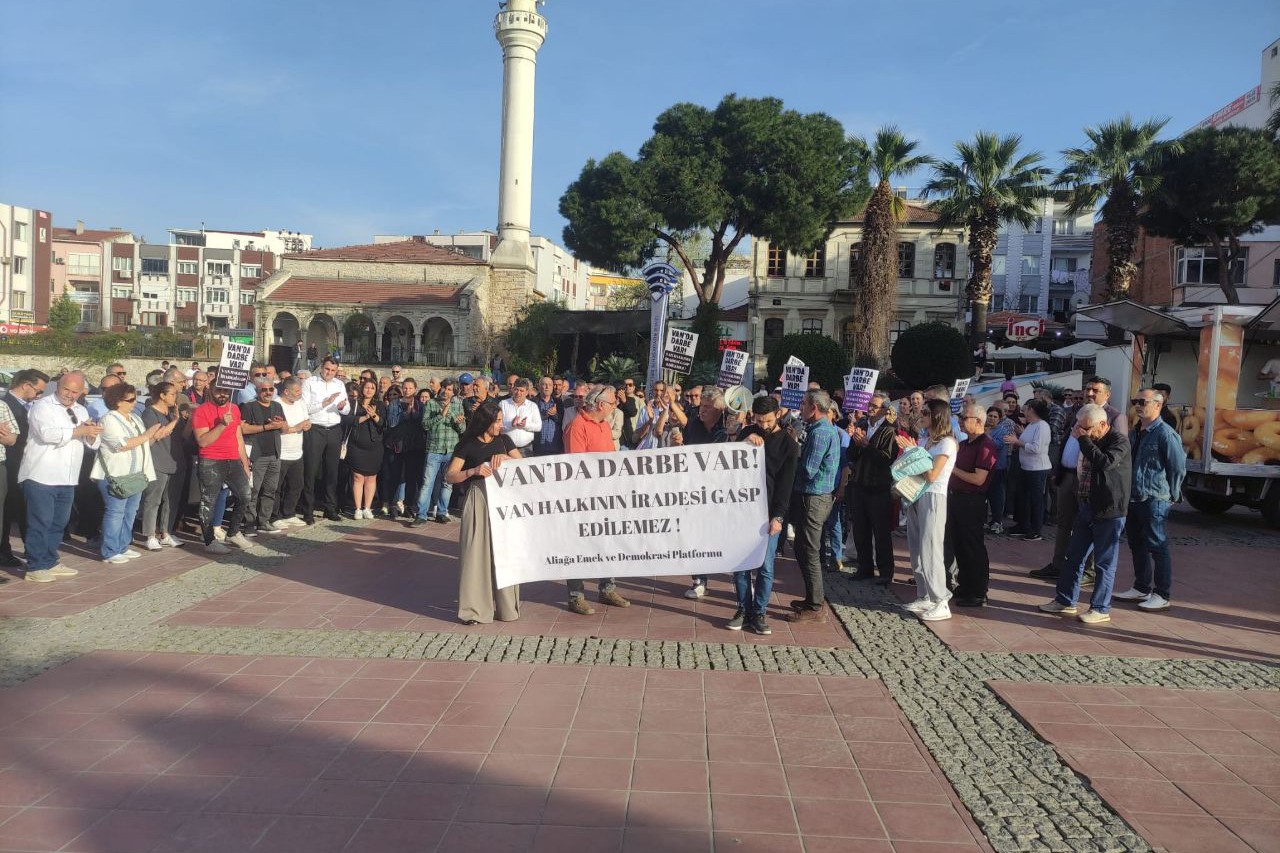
481 419
939 420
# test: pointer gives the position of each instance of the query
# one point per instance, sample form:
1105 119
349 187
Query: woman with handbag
364 446
927 515
158 512
122 470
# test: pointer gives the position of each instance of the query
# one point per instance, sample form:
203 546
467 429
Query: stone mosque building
411 300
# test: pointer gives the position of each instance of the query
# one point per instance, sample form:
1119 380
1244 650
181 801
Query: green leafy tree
1116 168
931 354
827 360
531 340
1222 185
615 369
875 278
64 315
747 167
989 182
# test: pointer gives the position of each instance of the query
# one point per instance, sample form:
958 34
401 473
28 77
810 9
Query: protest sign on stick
795 381
233 366
666 511
678 355
957 394
733 367
858 388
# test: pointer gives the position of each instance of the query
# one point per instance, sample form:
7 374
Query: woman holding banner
481 449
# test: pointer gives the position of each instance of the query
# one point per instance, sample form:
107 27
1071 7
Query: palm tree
1119 165
990 182
875 278
1273 123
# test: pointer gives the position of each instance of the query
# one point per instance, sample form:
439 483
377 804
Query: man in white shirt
520 418
59 431
291 438
325 398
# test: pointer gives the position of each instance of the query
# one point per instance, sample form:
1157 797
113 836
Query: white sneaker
936 613
1131 594
280 524
170 542
131 554
399 507
153 544
294 521
39 576
1154 602
216 547
219 534
61 571
920 605
696 591
117 559
240 541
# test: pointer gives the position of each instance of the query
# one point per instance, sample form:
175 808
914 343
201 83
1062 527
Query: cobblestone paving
1018 790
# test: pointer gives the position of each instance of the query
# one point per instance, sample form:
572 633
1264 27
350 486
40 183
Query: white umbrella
1017 352
1080 349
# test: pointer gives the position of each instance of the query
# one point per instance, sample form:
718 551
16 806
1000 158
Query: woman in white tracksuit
927 517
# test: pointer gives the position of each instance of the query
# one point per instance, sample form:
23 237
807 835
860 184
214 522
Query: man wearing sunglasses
249 393
60 430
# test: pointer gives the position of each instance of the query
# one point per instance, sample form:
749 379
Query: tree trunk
1120 215
875 284
706 324
1227 255
983 230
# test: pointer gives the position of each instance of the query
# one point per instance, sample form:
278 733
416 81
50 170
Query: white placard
667 511
678 355
733 367
233 367
859 385
957 394
795 382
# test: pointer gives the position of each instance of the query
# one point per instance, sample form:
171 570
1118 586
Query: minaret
520 31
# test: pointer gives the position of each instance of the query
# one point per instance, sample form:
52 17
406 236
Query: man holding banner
754 587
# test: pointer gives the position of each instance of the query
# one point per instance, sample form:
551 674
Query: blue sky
382 116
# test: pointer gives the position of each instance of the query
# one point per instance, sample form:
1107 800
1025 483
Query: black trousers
320 469
291 473
15 507
871 517
966 543
179 488
808 516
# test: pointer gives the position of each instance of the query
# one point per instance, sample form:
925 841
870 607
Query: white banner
639 513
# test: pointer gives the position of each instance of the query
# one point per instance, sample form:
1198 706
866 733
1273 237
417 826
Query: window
88 314
186 294
155 266
944 260
217 296
186 325
188 268
772 331
19 300
251 270
997 264
119 318
777 262
997 302
815 266
1060 305
248 297
189 239
847 331
19 231
1200 266
83 264
1031 265
152 318
19 265
217 268
124 265
811 326
121 292
1275 275
1037 226
855 262
44 235
1062 265
906 260
1064 226
899 326
153 295
1029 303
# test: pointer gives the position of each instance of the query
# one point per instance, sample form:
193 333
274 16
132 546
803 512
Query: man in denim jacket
1159 466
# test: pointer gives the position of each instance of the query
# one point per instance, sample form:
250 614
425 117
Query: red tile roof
385 294
90 235
916 213
402 252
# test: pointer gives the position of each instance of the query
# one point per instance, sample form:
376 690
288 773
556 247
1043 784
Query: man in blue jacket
1159 466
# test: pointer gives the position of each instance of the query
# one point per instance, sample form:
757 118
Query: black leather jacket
869 466
1112 466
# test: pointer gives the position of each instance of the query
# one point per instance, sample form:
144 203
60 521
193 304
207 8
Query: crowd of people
122 464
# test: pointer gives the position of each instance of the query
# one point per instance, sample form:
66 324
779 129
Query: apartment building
1044 270
95 267
25 258
558 275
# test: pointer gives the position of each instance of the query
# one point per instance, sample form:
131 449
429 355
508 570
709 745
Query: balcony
218 309
1072 242
1211 294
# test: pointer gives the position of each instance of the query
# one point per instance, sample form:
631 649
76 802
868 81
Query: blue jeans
220 506
1031 501
433 497
756 602
117 521
48 511
1149 545
1101 537
833 533
995 494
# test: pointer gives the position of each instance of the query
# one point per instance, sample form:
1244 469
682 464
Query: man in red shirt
590 433
967 510
216 425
